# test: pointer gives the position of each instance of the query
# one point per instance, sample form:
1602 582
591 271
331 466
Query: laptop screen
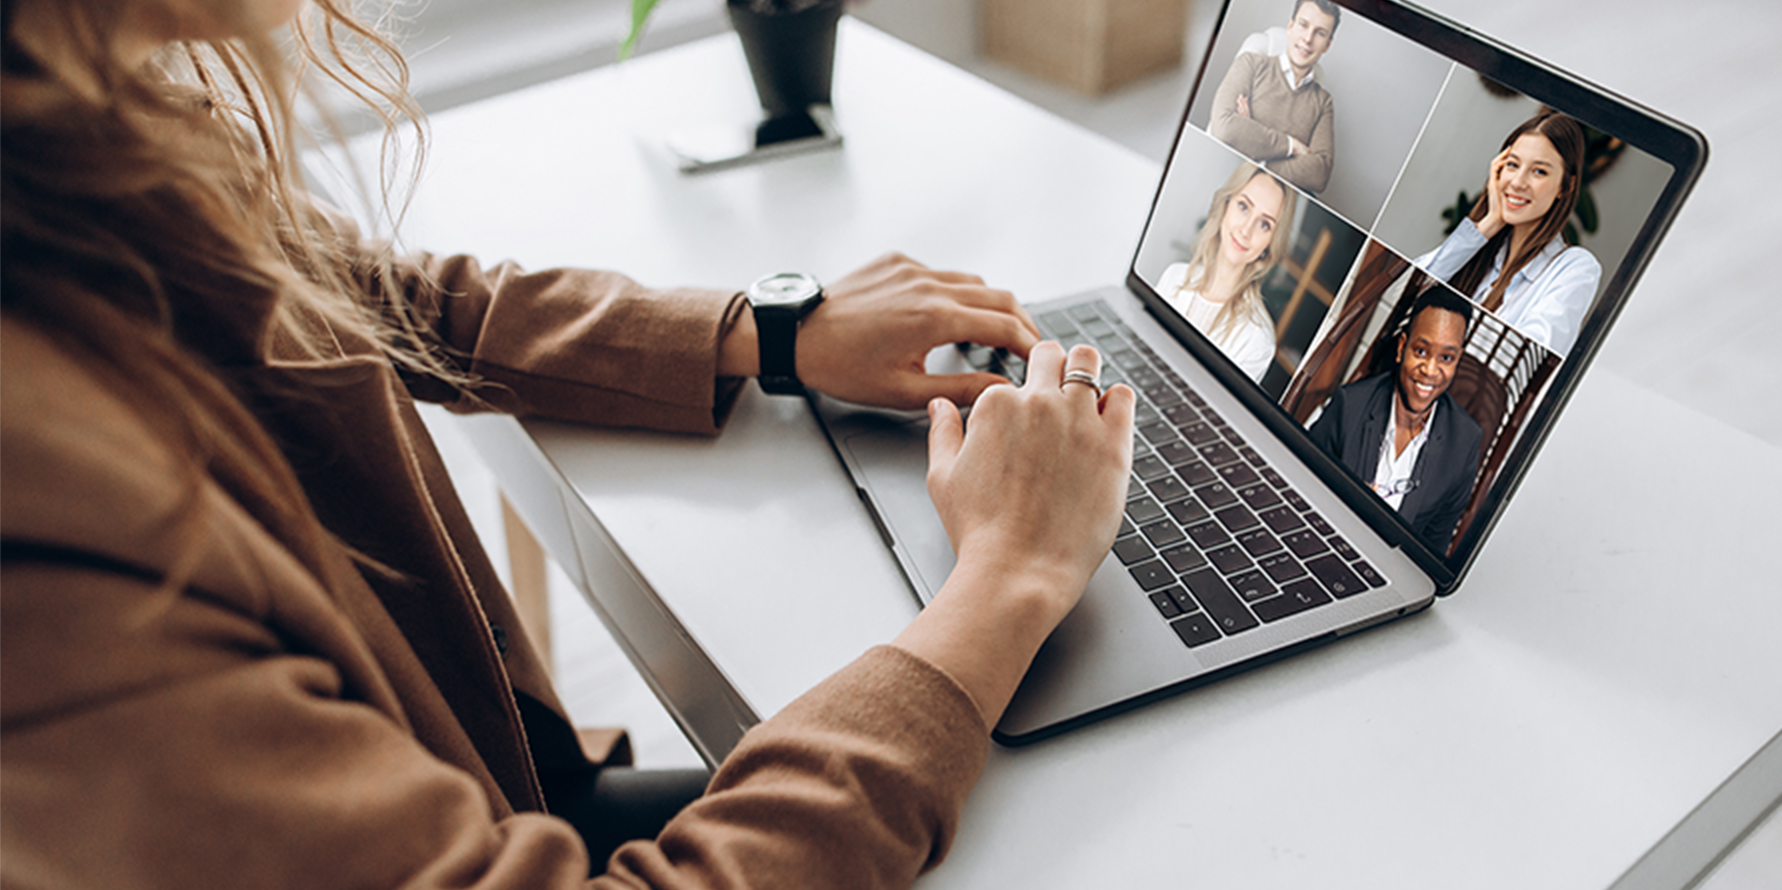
1402 262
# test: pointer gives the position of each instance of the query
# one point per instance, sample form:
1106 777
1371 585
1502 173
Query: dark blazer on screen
1352 426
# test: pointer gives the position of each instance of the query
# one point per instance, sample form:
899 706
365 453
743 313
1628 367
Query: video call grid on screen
1387 146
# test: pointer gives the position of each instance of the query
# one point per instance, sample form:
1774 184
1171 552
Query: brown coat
263 728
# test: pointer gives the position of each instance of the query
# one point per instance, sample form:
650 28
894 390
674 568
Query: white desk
1595 678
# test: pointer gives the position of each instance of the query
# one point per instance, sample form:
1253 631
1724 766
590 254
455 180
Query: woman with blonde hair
1510 255
247 635
1219 288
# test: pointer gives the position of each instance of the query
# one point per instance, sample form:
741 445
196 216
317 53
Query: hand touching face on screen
1525 179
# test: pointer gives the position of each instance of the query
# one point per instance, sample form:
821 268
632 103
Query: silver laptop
1370 279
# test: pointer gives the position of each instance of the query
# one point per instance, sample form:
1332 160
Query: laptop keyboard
1219 541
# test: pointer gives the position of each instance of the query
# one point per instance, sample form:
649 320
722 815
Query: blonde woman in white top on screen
1219 289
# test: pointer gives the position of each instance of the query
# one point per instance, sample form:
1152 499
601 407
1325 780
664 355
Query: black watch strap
780 303
776 329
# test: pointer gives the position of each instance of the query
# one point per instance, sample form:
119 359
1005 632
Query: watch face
785 289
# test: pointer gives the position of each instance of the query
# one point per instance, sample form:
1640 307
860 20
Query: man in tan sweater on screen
1273 108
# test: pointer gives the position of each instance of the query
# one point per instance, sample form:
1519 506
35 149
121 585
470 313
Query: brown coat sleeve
580 345
569 344
858 783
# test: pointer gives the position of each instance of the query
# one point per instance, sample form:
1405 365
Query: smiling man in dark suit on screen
1402 433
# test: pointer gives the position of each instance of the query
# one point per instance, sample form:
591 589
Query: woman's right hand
1031 496
1493 220
1036 485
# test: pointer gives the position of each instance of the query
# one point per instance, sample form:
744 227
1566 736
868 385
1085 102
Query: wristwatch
781 302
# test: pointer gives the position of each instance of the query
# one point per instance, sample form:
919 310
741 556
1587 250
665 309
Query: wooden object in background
526 562
1090 46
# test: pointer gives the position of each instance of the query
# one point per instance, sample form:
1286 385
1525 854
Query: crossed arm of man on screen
1273 107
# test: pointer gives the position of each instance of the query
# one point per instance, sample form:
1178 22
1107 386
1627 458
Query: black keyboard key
1142 414
1340 545
1149 467
1208 535
1295 501
1152 575
1195 630
1259 496
1273 478
1177 453
1128 359
1165 604
1134 487
1239 476
1169 488
1056 323
1161 394
1188 511
1304 543
1131 550
1229 558
1157 433
1126 528
1143 510
1196 474
1216 496
1251 457
1217 454
1294 599
1184 558
1252 586
1216 597
1183 601
1258 542
1237 518
1281 567
1163 534
1368 574
1282 519
1145 378
1319 525
1181 414
1336 577
1200 434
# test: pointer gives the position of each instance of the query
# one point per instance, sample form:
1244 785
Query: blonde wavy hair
153 216
1248 302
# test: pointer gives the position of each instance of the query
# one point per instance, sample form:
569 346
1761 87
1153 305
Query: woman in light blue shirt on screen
1508 254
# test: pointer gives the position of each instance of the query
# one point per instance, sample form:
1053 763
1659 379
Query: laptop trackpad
892 464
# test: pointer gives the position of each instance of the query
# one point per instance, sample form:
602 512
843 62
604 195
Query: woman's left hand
868 339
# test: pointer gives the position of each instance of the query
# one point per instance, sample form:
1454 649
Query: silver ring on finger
1084 377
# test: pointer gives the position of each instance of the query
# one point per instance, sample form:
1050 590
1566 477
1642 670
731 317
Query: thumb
946 435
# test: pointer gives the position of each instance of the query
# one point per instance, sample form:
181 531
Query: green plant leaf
640 13
1586 210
